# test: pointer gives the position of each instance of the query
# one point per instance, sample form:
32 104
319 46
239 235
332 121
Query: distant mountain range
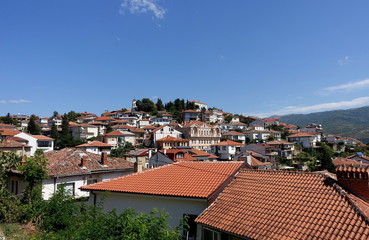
345 123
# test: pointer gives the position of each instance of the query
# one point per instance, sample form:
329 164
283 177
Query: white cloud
357 102
345 87
343 61
14 101
143 6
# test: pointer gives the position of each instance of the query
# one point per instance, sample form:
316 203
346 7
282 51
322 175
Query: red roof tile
8 132
285 205
184 179
67 162
172 139
94 144
230 133
42 137
346 161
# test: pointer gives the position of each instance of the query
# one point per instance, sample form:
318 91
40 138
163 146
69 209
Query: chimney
104 157
135 167
83 161
355 178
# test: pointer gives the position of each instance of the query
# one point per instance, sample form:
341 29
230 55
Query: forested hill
346 123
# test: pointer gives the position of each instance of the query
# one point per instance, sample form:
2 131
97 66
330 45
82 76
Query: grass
16 231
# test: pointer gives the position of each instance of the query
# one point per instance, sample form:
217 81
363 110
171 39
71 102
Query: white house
183 188
305 139
162 132
84 131
226 150
119 138
44 143
235 136
96 147
74 168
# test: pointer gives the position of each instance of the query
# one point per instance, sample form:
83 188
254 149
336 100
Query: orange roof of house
172 139
8 132
104 119
172 154
228 143
198 123
297 135
198 153
122 126
42 137
13 143
286 205
183 179
115 133
67 162
136 130
4 125
94 144
348 162
230 133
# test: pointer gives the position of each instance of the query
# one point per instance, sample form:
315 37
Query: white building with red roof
44 143
226 150
96 147
183 188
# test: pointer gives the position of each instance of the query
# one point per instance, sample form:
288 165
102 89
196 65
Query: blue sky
249 57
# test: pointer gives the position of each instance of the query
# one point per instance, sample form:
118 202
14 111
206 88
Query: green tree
8 120
325 155
145 105
72 116
121 151
62 218
33 128
159 105
228 118
10 209
54 133
34 172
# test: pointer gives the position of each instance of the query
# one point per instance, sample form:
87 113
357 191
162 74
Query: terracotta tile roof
12 143
347 162
198 123
286 205
149 127
138 152
137 130
173 155
4 125
183 179
230 133
257 163
104 119
94 144
115 133
270 120
97 123
276 142
119 121
122 126
228 143
42 137
82 125
8 132
198 153
67 162
297 135
172 139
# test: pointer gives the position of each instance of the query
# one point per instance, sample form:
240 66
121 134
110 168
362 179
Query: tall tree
54 133
33 171
159 105
325 155
33 128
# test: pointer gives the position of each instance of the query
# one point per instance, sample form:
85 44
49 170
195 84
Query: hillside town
231 176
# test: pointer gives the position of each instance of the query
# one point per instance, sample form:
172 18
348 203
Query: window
68 188
91 181
14 187
210 234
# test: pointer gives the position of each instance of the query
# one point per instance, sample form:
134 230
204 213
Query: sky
258 58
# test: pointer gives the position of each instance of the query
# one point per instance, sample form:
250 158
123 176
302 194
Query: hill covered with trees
346 123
